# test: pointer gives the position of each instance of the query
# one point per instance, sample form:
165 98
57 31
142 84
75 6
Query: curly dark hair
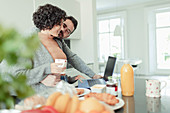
47 16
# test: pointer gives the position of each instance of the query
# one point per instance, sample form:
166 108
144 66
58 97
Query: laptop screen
109 67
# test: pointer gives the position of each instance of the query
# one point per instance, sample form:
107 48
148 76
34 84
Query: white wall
137 38
85 47
18 13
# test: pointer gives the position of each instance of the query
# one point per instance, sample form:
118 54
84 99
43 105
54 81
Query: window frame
122 16
151 26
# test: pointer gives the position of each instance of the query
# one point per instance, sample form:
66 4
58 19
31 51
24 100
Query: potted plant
14 46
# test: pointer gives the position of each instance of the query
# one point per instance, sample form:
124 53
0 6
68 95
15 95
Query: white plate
115 107
86 91
118 105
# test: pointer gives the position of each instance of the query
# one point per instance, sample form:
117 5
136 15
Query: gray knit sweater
41 66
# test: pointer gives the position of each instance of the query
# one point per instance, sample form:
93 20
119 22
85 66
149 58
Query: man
69 26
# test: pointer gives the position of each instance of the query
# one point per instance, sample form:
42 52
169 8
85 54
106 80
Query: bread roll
68 106
91 104
62 102
105 112
73 105
52 98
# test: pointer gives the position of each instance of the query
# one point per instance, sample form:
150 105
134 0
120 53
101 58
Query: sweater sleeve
34 75
76 61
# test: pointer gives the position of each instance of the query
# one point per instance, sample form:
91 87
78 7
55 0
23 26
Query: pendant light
117 31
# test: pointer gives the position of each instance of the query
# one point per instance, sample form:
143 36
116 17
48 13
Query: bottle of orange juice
127 80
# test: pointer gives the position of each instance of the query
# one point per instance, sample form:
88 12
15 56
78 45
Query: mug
153 88
63 64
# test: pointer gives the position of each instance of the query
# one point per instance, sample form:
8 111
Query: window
163 39
108 43
159 40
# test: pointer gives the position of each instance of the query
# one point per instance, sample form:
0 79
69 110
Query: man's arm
76 61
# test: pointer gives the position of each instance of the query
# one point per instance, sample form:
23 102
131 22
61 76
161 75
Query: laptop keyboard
93 82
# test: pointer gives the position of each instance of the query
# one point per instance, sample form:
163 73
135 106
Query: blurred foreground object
14 46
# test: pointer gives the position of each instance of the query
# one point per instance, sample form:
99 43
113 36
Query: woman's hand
51 80
56 69
97 76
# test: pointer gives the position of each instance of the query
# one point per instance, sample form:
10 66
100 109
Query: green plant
14 46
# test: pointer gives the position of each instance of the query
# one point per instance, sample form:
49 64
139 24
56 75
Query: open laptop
108 72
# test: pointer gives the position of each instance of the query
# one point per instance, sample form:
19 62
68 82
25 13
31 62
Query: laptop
108 72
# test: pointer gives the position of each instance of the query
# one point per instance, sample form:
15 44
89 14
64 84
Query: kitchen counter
139 103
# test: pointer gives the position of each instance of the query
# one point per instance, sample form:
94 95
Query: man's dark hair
75 22
47 16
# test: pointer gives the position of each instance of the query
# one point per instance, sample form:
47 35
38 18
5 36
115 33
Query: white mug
153 88
63 62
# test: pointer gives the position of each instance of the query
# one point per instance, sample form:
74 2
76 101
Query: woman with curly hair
49 19
43 72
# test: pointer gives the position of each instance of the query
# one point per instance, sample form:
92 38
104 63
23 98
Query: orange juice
127 80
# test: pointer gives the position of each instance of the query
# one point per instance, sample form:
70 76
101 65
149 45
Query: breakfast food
105 97
98 88
35 100
62 103
73 105
91 104
52 98
66 104
80 91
